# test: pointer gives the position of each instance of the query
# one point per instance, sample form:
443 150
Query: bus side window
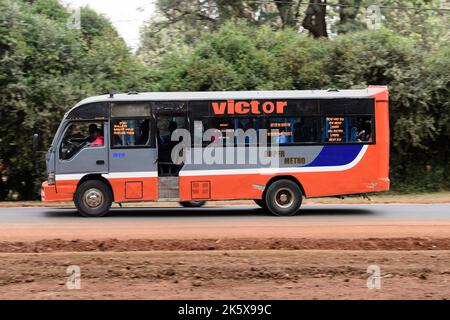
130 132
80 135
351 129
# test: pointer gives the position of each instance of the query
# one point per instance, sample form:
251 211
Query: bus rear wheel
193 203
93 198
283 198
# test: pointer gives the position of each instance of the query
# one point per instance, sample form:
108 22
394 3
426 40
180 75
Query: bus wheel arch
99 177
93 197
283 195
276 178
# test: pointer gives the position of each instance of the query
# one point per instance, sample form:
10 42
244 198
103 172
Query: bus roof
238 95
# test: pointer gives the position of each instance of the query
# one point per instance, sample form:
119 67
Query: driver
98 139
92 128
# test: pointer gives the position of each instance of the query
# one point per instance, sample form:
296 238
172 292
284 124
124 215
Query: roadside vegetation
46 67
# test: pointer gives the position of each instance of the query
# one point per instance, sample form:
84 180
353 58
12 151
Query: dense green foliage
243 57
46 67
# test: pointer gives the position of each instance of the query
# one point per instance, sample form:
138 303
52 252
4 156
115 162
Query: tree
314 20
45 68
239 56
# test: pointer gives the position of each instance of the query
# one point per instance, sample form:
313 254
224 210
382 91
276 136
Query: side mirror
35 143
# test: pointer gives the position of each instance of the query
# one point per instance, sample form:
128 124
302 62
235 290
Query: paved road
241 213
323 221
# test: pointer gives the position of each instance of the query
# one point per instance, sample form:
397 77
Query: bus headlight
51 179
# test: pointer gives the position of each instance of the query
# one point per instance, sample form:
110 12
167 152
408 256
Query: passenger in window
99 140
361 131
354 134
298 131
91 129
172 127
167 145
284 138
249 126
159 140
368 130
144 128
117 140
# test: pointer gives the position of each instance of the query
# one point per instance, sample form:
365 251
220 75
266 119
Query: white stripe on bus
276 170
215 172
112 175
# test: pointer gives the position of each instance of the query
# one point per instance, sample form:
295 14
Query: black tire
261 203
283 198
193 203
93 199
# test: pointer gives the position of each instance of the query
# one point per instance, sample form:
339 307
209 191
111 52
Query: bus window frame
290 144
68 123
152 143
192 116
355 142
321 114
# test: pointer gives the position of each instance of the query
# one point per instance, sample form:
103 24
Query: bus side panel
370 174
49 194
222 187
134 189
383 137
362 178
365 176
124 189
66 186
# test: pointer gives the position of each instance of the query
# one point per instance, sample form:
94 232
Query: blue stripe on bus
336 156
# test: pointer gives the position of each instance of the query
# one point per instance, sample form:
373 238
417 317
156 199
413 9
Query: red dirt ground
251 274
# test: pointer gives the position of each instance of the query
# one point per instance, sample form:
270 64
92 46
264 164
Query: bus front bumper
49 194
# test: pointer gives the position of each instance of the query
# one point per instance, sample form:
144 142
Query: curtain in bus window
130 132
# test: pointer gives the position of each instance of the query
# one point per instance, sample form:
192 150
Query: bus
193 147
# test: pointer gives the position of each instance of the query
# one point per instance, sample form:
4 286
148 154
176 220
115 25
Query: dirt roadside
233 258
259 274
243 244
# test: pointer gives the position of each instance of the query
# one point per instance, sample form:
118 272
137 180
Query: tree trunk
347 15
286 11
314 20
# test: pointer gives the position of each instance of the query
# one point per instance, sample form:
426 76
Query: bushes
242 57
45 68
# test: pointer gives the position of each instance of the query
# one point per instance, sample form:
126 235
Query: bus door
133 156
169 116
82 150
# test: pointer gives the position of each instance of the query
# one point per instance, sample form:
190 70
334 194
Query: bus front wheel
93 198
283 198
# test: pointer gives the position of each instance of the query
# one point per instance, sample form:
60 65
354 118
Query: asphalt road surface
318 221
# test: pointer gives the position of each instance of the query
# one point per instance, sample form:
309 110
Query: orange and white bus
274 147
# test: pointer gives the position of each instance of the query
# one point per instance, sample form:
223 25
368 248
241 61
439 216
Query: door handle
100 162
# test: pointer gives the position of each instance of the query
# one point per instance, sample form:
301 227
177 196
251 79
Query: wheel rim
93 198
284 198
